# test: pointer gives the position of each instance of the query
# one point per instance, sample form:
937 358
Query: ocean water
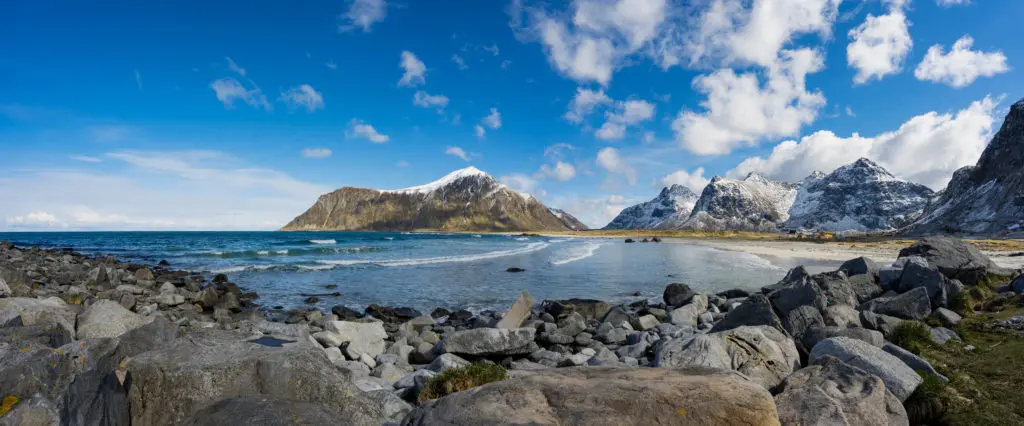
426 271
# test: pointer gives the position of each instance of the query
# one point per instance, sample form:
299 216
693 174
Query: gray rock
207 298
865 287
334 355
518 312
445 362
915 362
1018 284
955 258
762 353
5 290
489 341
919 273
584 339
860 266
572 324
169 299
262 410
527 365
677 295
360 337
889 277
394 408
546 357
169 385
51 312
388 374
36 411
352 369
10 318
941 335
800 319
638 350
842 316
883 323
645 322
833 393
414 383
616 317
556 338
947 317
107 318
836 288
144 274
799 293
817 334
756 310
914 305
690 313
899 379
603 357
605 396
611 335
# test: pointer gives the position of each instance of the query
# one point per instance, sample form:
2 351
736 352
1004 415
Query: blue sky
237 115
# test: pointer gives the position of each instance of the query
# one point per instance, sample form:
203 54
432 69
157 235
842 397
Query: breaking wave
529 248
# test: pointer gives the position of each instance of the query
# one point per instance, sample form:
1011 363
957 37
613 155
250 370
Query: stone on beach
689 314
762 353
606 395
518 313
899 379
489 341
912 305
756 310
107 318
361 337
833 393
955 258
677 295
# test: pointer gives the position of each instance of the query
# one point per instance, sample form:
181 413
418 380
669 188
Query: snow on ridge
440 183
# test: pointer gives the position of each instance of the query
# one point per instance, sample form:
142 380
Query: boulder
955 258
572 324
798 293
865 287
35 411
107 318
360 337
836 288
919 273
518 313
645 322
5 290
616 317
794 275
913 305
1017 285
941 335
833 393
10 318
262 410
883 323
947 317
799 320
207 298
841 316
677 295
860 266
605 395
756 310
168 385
690 313
395 409
489 342
50 312
762 353
588 308
144 274
899 379
913 361
445 362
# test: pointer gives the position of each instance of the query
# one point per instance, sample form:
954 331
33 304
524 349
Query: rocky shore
92 341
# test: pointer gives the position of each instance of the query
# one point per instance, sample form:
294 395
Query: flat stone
899 379
947 317
913 305
489 341
107 318
445 362
762 353
645 322
361 337
518 313
690 313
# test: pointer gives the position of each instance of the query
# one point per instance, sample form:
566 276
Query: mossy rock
462 378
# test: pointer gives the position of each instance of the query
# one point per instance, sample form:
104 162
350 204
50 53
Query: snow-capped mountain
988 198
752 204
569 220
861 196
464 200
672 206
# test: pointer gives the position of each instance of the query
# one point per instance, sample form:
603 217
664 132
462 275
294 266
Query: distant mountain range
666 211
464 200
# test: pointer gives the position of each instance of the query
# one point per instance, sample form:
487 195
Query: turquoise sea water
426 271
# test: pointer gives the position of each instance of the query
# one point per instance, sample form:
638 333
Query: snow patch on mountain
754 203
673 205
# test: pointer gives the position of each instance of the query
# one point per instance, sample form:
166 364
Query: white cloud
961 65
557 150
926 149
649 137
331 65
456 151
303 96
561 171
316 152
138 79
879 45
595 212
611 131
426 100
611 161
358 129
694 180
505 64
158 190
950 3
229 90
414 68
362 14
584 103
492 49
234 67
459 61
520 182
492 120
85 159
740 110
628 113
849 112
479 131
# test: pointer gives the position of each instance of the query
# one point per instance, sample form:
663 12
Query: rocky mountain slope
569 220
671 207
754 203
861 196
464 200
988 198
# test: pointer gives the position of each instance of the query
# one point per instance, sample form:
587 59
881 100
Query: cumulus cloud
558 150
740 110
360 130
926 149
649 137
628 113
584 103
479 131
520 182
595 212
694 180
230 90
426 100
561 171
492 120
303 96
879 45
458 152
415 70
951 3
362 14
960 66
35 220
316 152
610 160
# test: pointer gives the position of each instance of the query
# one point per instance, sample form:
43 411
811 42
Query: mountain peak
444 181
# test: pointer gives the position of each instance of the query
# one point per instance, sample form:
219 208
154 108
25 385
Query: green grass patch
462 378
927 405
913 336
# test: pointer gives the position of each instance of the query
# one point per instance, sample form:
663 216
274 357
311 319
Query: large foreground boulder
899 379
913 305
833 393
762 353
606 396
46 312
955 258
168 385
489 342
264 411
107 318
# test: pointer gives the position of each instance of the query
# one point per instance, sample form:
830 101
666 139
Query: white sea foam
522 239
281 252
389 238
575 253
323 241
529 248
243 268
263 253
477 236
